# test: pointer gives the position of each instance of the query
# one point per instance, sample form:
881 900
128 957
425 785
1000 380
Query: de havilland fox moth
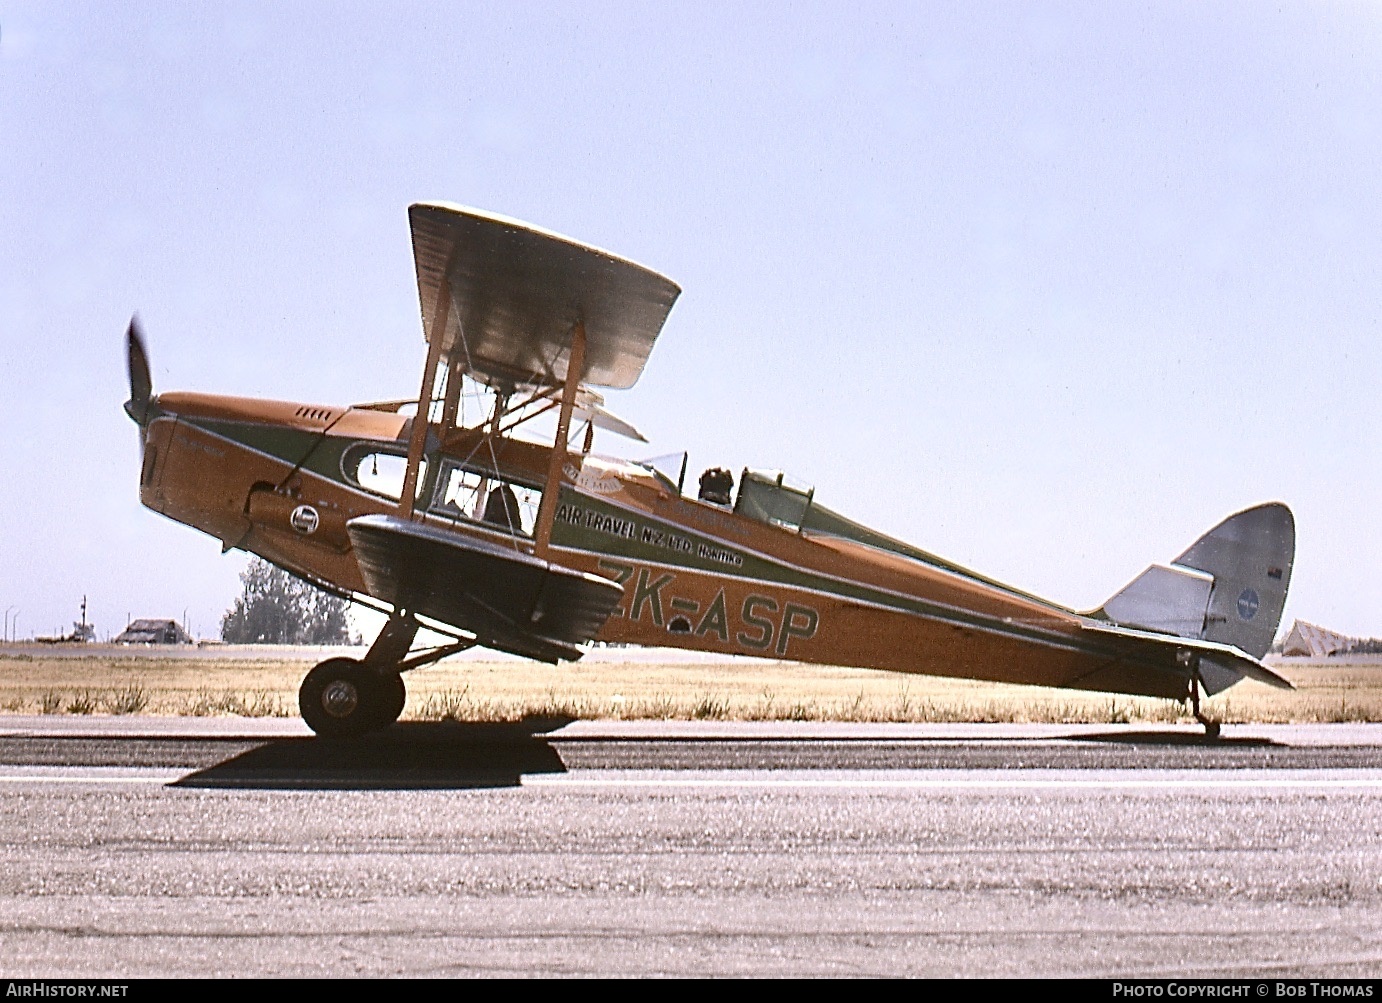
498 540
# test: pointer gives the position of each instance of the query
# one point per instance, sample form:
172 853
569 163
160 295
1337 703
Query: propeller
141 383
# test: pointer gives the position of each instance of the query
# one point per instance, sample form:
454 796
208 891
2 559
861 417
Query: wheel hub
340 698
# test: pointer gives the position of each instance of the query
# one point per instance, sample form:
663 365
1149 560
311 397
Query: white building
1308 639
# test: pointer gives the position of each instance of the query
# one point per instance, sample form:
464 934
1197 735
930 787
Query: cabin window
379 472
771 498
483 496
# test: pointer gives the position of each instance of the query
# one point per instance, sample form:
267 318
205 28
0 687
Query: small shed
154 632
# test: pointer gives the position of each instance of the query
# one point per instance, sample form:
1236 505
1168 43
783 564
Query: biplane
449 512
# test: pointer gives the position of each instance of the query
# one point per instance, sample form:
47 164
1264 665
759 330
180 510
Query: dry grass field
635 684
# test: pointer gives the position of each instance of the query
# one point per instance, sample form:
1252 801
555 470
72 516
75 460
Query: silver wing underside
517 291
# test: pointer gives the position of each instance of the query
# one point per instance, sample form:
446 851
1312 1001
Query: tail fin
1250 556
1230 586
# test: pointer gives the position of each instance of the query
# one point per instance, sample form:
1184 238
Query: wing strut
453 395
418 442
547 511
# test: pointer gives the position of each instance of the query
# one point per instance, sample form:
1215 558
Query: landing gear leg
345 698
1211 727
391 646
389 658
385 661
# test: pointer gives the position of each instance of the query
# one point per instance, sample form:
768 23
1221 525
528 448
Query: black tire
392 696
340 698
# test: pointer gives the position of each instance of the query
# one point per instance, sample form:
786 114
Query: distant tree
277 608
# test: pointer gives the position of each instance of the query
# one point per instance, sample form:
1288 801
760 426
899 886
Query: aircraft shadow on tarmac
412 755
1180 738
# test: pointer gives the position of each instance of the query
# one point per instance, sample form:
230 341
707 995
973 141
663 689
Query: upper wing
517 291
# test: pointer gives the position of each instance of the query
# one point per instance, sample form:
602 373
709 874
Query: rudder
1250 556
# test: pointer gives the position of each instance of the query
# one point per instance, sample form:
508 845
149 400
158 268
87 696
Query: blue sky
1048 289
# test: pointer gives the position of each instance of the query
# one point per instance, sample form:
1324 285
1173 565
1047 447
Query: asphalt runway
222 847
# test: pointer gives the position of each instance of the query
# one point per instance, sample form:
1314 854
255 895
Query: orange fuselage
695 574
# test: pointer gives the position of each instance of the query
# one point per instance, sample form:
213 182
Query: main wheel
341 698
392 696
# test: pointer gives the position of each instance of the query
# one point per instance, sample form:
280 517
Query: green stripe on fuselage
605 530
316 453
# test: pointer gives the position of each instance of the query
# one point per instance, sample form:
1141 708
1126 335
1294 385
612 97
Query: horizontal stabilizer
1166 599
1221 665
508 599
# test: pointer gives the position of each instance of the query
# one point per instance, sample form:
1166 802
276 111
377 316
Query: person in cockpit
717 484
501 509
